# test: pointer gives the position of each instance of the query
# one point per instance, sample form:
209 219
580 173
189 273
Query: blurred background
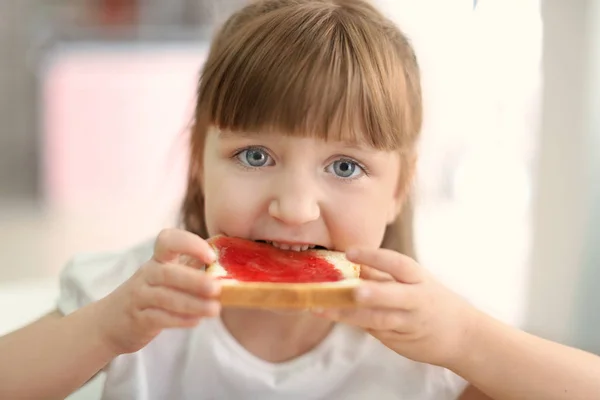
96 99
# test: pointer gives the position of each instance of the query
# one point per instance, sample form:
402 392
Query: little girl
305 133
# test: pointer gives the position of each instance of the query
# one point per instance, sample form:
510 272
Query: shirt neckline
308 358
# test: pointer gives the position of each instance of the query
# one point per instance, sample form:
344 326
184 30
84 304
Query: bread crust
288 295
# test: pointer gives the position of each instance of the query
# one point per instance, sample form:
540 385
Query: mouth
292 246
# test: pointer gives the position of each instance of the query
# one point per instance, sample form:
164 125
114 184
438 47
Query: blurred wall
20 22
587 317
565 275
18 136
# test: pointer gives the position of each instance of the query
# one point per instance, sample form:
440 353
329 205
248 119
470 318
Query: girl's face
298 192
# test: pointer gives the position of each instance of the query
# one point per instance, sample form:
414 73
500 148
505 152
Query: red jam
249 261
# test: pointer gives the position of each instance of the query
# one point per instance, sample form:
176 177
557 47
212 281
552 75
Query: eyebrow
350 145
230 135
356 146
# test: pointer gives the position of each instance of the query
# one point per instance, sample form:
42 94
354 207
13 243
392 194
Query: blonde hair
330 69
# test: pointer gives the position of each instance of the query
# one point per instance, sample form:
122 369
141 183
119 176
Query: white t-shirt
206 362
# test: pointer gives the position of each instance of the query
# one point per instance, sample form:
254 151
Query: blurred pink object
115 123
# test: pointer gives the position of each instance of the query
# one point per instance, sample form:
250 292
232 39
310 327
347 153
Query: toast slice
258 275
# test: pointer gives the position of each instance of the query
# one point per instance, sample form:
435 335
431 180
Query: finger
387 295
179 303
190 261
171 243
184 279
371 274
368 318
163 319
402 268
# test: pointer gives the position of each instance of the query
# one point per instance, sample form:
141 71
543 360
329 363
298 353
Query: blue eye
345 169
254 157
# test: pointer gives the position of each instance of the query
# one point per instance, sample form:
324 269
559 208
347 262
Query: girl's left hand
403 306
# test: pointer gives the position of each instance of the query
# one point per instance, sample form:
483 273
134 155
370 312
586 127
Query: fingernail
212 256
362 293
214 288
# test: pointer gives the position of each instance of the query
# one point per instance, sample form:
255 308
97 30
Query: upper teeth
295 247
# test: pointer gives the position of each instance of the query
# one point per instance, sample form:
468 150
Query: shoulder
88 277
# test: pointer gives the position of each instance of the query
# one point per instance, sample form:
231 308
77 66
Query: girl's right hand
166 292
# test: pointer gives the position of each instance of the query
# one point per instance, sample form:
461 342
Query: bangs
314 69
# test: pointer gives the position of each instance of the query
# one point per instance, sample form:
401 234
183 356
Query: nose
295 200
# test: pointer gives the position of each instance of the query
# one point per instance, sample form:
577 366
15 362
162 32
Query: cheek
231 202
359 218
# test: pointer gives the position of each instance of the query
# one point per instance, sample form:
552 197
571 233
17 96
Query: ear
396 208
404 186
